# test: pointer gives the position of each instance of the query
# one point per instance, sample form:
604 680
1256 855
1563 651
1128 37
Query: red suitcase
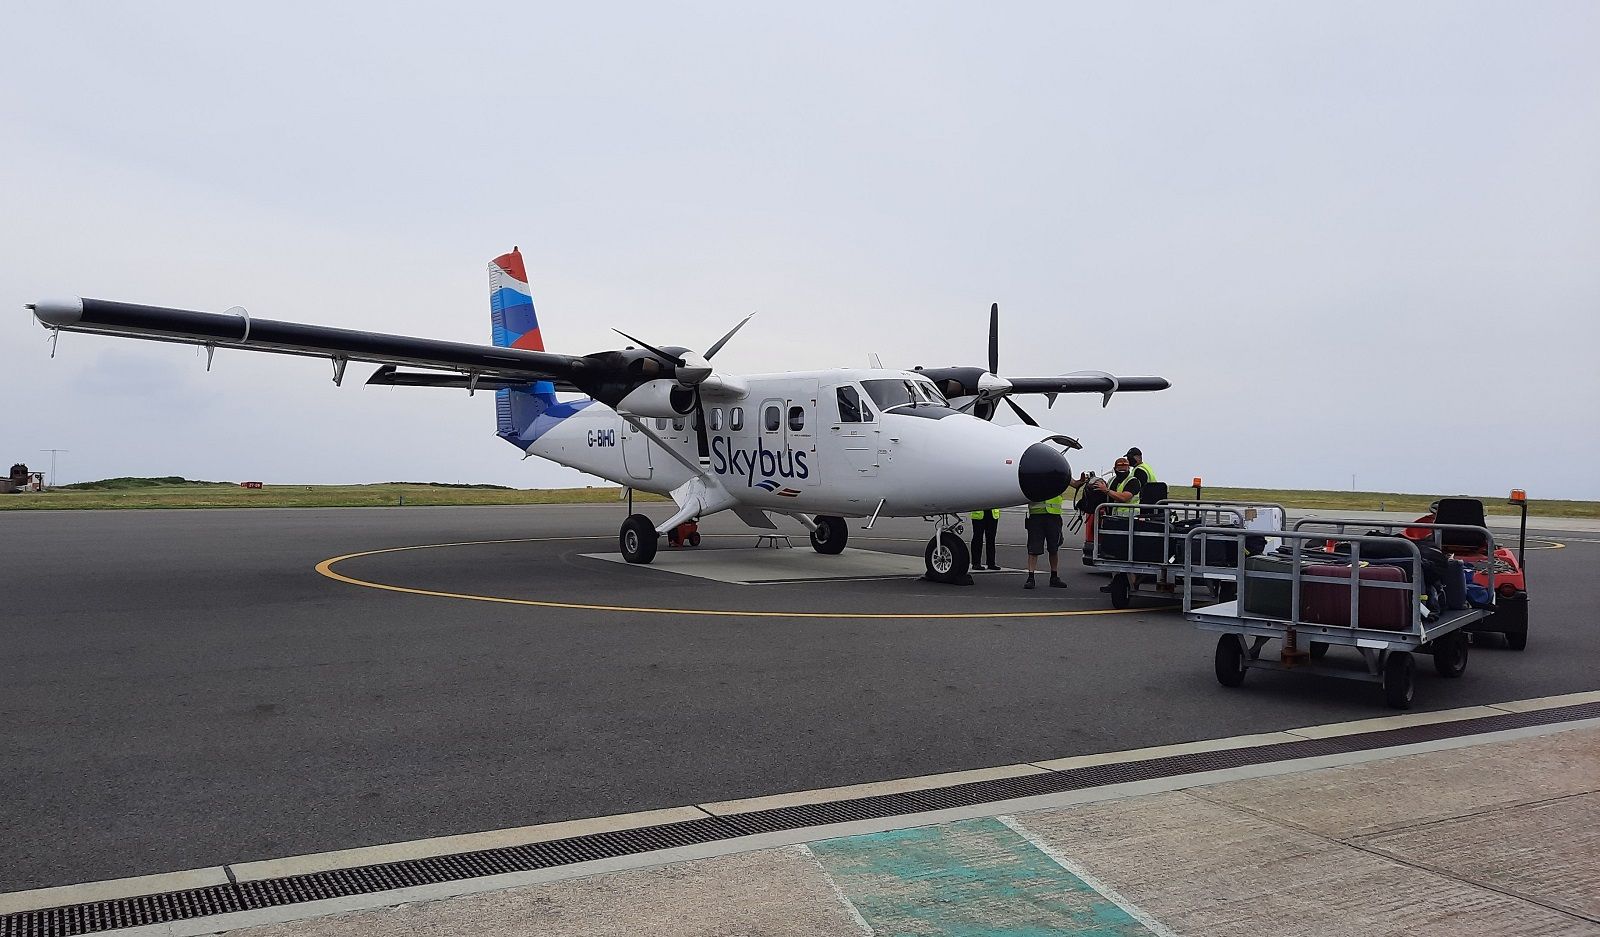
1328 603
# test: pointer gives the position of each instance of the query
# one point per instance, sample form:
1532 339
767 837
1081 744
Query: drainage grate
243 896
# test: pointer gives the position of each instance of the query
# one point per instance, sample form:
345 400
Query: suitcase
1147 539
1455 585
1220 549
1263 597
1328 603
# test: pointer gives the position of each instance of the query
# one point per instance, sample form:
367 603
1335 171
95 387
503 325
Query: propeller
691 370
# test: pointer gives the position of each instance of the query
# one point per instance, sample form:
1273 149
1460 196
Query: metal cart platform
1153 560
1387 653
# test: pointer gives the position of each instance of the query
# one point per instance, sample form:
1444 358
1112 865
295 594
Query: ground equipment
1310 600
1143 546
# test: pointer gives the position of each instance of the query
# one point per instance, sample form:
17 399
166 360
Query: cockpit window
889 393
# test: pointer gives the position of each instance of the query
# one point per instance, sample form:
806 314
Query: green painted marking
977 878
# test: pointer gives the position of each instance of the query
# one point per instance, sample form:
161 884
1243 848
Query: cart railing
1299 557
1167 514
1341 523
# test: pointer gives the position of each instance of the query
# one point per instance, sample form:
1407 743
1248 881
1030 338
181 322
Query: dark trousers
983 531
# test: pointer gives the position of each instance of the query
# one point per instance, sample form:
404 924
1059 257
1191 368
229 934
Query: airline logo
759 466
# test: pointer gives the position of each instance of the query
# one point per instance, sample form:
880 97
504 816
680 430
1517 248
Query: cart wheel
1319 650
1450 654
1227 591
1398 670
1517 640
1230 660
694 540
1119 590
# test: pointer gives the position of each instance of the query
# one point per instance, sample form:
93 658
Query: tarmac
183 690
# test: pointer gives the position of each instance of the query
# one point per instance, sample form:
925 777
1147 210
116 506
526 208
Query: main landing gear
946 555
638 539
829 534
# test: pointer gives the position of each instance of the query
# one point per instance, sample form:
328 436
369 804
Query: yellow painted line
326 568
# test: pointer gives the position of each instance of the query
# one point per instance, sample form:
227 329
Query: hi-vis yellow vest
1149 473
1122 486
991 512
1052 506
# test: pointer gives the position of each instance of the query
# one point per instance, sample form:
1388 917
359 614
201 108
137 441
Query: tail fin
517 409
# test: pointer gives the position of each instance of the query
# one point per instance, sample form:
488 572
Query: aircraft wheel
638 539
830 535
947 558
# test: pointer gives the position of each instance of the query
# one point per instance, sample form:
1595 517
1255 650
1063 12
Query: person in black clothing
985 524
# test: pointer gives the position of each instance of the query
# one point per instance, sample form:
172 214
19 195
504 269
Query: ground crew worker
1124 484
1044 535
1140 467
985 524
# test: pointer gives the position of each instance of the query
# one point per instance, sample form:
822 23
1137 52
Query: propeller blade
724 339
700 427
673 360
1020 412
994 338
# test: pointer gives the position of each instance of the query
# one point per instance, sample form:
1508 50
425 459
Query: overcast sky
1359 238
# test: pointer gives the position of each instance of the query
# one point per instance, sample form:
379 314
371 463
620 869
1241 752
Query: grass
182 493
1383 501
175 492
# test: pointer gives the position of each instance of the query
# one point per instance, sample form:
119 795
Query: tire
830 535
947 558
1120 591
1399 683
1227 591
1319 650
1517 640
1230 660
638 539
1450 654
694 539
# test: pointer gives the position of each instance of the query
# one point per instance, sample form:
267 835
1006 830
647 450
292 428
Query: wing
1085 384
239 330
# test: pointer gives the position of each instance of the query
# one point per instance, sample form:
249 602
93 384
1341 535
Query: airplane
817 446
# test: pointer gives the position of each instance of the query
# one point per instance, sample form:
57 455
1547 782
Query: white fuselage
793 443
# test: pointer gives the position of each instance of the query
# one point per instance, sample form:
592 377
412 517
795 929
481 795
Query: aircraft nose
1042 472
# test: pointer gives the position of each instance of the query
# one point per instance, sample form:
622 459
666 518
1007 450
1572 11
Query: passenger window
769 419
716 419
736 419
849 405
661 424
678 424
797 419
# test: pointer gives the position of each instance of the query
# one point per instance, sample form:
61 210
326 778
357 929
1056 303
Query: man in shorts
1044 535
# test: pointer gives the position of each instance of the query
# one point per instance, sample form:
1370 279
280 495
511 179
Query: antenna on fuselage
872 360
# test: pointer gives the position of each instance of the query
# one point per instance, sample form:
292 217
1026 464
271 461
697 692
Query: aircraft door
854 429
635 451
800 433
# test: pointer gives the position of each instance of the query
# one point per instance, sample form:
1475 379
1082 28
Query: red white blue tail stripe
523 414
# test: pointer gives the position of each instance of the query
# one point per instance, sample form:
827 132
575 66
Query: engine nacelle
661 398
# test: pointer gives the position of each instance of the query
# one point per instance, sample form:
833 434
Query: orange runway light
1196 482
1518 496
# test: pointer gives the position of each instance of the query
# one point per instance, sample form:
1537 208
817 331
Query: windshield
889 393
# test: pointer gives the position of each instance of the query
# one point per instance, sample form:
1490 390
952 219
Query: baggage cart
1285 596
1142 546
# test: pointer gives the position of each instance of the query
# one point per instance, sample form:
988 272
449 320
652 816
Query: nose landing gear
946 555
